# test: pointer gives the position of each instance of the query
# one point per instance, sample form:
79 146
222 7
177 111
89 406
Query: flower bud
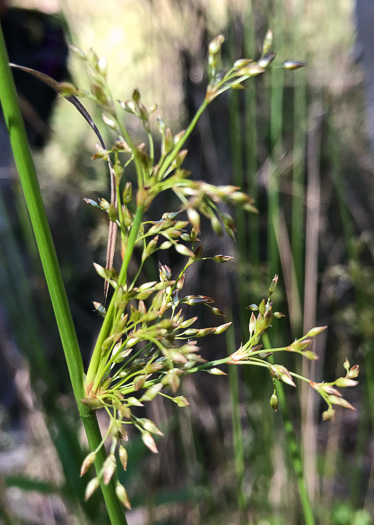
340 401
215 45
149 442
274 402
88 461
315 331
217 372
122 452
122 496
222 328
222 258
91 487
353 372
292 64
328 414
181 401
345 381
109 468
273 284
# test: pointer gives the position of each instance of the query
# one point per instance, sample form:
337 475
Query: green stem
172 155
105 329
31 190
293 447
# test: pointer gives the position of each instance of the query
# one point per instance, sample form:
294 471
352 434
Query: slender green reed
236 423
253 239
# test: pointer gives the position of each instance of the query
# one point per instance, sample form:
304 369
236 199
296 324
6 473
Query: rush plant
148 341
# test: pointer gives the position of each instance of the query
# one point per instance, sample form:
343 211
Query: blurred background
301 144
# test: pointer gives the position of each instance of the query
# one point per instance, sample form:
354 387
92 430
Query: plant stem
31 191
293 447
96 357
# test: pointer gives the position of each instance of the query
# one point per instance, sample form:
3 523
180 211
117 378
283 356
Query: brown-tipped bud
197 299
274 402
149 442
292 64
167 143
122 452
340 401
266 60
91 487
222 258
181 401
132 401
199 250
252 325
179 159
344 382
353 372
164 272
299 345
122 496
149 426
278 315
217 372
328 414
222 328
181 281
313 332
240 355
346 364
215 45
139 382
88 461
109 468
179 136
273 285
281 373
217 311
188 322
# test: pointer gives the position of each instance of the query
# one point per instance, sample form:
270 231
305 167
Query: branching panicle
148 341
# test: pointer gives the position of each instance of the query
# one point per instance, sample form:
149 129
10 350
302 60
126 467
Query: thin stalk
293 448
236 422
31 190
251 143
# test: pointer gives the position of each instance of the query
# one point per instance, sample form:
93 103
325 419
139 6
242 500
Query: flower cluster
148 340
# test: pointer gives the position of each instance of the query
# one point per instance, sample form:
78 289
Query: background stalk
31 191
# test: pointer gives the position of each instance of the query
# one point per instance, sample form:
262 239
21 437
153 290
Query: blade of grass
236 423
308 401
251 142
